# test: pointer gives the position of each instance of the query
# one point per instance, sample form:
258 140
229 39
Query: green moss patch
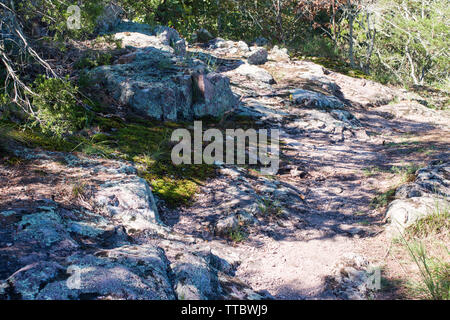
92 59
33 138
339 66
147 143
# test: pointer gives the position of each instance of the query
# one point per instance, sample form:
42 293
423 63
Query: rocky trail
312 231
326 218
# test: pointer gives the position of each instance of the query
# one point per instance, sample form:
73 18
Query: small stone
266 189
246 218
252 72
242 46
315 99
258 57
297 173
278 54
202 35
225 225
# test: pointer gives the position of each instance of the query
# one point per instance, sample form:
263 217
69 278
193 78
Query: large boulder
139 40
26 282
160 85
137 35
157 80
150 86
194 278
212 94
128 272
403 213
110 245
44 229
198 273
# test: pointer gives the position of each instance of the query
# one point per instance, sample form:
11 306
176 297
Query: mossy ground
145 142
339 66
142 141
11 132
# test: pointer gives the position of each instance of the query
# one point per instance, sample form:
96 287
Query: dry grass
426 242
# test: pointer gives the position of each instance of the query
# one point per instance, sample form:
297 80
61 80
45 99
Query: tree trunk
350 40
411 65
219 18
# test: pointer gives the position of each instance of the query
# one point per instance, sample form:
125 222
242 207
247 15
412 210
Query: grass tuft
422 240
237 235
436 223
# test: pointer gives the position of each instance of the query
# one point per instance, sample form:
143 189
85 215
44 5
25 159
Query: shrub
317 46
57 109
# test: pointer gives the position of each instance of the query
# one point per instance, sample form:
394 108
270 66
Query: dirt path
337 170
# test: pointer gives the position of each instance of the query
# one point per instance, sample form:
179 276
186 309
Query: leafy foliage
54 15
57 109
412 45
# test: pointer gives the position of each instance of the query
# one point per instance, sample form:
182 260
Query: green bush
317 46
54 15
411 45
57 109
